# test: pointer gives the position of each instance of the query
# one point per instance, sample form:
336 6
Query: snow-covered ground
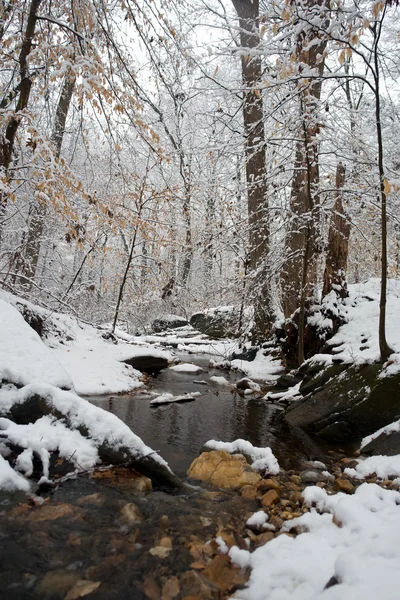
30 369
352 538
76 356
263 368
357 340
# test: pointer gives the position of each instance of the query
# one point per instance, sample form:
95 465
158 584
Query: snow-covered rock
260 459
24 358
188 368
42 419
167 398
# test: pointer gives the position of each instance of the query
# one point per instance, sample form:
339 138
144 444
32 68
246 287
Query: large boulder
386 444
217 322
347 403
168 322
147 363
223 470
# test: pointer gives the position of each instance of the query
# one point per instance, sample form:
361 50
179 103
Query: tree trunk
304 202
253 118
338 243
384 348
7 143
38 211
188 246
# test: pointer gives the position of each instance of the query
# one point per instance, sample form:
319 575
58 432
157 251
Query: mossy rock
320 377
347 403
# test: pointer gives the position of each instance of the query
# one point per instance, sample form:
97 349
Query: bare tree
256 175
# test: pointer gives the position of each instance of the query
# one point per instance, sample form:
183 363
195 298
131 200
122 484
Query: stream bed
100 536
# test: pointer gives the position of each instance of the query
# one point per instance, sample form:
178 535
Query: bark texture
299 274
338 242
253 117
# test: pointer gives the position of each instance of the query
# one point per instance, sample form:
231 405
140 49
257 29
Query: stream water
178 431
80 535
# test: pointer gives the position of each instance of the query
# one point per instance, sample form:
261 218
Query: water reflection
178 431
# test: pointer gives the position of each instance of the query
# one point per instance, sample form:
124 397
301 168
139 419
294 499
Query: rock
194 586
269 484
168 322
247 384
270 498
263 538
227 471
165 542
82 588
35 407
287 381
160 551
151 588
311 477
248 355
383 445
217 322
344 485
131 514
147 364
93 499
51 512
347 403
276 521
223 574
250 492
141 484
171 589
55 584
296 479
296 497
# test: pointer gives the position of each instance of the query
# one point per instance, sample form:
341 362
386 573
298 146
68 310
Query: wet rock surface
109 535
147 364
227 471
346 403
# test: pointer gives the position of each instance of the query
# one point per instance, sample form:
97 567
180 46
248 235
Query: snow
219 380
167 398
388 429
10 480
383 466
262 368
257 519
48 434
363 553
186 368
288 395
73 355
357 340
262 458
23 356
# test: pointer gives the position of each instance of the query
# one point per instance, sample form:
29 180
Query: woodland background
166 156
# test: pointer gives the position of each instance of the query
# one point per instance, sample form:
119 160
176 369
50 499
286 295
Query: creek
178 431
81 534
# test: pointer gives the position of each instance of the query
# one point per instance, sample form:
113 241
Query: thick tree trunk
253 117
338 243
304 202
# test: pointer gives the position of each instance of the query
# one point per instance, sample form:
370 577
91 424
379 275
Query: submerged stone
223 470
